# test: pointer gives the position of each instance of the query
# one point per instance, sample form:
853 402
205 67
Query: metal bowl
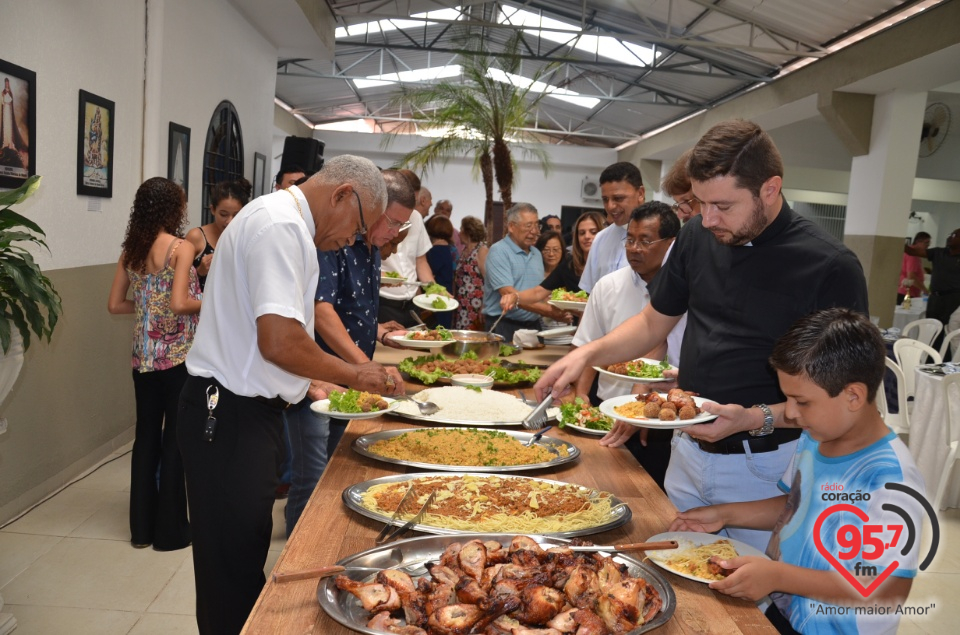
480 342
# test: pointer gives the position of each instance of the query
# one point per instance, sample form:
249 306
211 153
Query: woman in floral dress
468 278
158 264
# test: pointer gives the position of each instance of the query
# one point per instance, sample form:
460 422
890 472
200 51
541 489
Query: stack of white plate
562 336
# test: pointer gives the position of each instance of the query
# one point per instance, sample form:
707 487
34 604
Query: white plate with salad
424 339
585 418
435 302
354 404
568 300
391 277
639 371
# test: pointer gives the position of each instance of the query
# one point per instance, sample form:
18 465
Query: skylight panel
541 87
565 33
418 75
392 25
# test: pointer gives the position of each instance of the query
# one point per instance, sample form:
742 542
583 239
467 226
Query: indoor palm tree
486 114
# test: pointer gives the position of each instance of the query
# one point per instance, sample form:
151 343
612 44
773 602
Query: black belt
274 402
758 445
396 304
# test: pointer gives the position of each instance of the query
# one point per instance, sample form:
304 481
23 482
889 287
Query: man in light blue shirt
513 265
621 188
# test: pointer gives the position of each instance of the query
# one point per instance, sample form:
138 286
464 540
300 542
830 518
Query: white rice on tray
463 404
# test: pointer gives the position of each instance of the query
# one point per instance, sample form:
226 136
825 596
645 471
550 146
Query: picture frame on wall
95 146
259 174
178 156
18 120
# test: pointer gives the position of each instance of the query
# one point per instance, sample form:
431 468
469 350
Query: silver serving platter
620 511
411 555
362 446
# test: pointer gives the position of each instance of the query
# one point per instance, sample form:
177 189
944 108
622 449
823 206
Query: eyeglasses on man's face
643 245
398 225
363 224
688 206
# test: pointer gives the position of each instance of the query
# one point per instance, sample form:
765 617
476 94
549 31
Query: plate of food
470 502
459 449
469 406
581 416
673 409
560 331
430 369
435 302
641 371
391 278
340 596
568 300
692 559
424 338
354 404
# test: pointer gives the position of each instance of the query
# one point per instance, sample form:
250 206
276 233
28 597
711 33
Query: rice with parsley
459 446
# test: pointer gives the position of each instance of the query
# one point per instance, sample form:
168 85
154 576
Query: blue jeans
696 478
308 436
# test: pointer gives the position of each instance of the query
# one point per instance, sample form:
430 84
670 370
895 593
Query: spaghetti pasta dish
496 504
463 447
695 560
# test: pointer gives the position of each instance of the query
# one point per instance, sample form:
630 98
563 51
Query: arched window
223 153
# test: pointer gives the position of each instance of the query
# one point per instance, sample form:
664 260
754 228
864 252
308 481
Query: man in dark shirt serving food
744 271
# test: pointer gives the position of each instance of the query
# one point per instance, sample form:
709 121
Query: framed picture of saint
18 117
178 156
95 146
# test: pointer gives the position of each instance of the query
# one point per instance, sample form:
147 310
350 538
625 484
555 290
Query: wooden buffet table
328 531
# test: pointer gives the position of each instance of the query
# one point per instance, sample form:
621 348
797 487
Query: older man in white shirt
621 188
619 296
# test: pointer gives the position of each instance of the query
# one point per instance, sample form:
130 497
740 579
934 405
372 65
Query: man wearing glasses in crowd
743 272
254 354
621 188
676 185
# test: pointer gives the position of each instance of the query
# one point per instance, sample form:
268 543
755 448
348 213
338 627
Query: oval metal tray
620 511
410 555
362 446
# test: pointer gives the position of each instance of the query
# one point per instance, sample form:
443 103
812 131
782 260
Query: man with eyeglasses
514 265
253 355
621 188
676 185
345 319
618 297
743 271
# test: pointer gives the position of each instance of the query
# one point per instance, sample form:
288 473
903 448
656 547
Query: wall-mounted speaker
304 152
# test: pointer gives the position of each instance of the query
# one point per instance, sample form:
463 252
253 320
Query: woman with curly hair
227 198
158 263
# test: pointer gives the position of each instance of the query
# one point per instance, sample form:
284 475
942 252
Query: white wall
456 182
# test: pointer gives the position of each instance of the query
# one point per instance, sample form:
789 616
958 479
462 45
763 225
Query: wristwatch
767 427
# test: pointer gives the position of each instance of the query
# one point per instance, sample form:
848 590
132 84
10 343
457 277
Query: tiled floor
68 567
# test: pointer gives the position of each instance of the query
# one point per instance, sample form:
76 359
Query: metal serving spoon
427 408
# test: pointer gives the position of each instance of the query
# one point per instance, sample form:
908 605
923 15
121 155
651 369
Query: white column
881 182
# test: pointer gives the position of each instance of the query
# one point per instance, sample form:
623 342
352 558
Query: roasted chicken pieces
522 589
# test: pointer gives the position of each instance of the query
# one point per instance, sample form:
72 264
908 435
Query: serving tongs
538 417
630 546
406 502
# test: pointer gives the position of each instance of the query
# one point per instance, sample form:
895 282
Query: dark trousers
158 510
398 311
231 482
941 305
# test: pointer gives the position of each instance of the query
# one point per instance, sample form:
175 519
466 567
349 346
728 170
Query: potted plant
28 301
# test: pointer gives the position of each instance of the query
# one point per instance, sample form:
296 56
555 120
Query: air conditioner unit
590 189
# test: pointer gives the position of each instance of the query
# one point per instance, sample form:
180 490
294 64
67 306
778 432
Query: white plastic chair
945 347
910 354
953 419
927 330
899 422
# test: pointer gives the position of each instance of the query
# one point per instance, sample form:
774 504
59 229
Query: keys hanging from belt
210 427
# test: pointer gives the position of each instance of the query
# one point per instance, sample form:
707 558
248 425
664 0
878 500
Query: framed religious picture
259 174
95 146
18 120
178 156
